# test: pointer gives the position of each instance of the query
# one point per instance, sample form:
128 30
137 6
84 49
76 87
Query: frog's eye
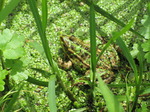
72 38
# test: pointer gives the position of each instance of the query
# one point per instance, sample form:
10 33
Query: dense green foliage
32 74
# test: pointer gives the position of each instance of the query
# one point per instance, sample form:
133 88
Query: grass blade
115 36
8 8
112 102
13 100
44 14
93 41
1 4
42 34
109 16
92 52
45 44
37 82
44 73
127 54
51 94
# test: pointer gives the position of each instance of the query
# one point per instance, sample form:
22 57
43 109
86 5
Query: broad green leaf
146 46
9 63
17 70
112 102
11 44
20 76
13 53
3 74
5 37
25 60
145 31
135 50
16 41
51 94
16 66
147 56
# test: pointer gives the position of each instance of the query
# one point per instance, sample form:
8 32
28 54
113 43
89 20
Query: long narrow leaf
8 8
51 94
115 36
44 40
38 47
112 102
130 59
93 40
124 85
42 34
127 54
13 100
37 82
44 14
109 16
1 4
44 73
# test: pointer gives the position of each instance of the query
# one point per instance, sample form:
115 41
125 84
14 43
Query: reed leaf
115 36
37 82
110 16
44 14
1 4
112 102
8 9
51 94
93 41
127 54
45 44
42 34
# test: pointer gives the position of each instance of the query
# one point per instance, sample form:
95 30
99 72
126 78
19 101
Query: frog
77 52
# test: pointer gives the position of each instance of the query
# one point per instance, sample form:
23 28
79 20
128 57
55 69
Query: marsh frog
78 53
